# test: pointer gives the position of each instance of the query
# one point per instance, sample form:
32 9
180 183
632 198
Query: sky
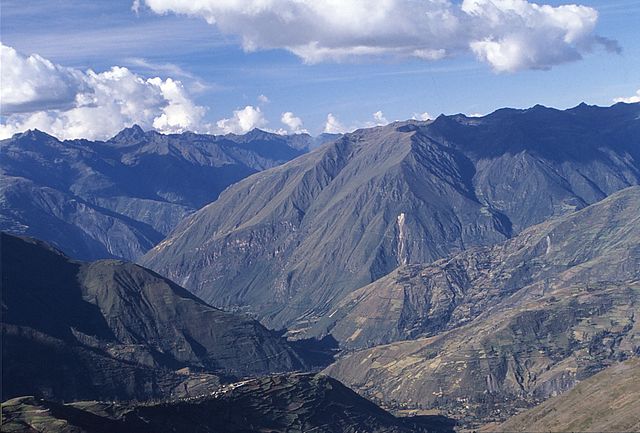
86 69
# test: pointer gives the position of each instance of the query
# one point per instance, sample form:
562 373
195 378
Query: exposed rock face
120 197
606 402
528 319
291 242
291 403
599 243
110 329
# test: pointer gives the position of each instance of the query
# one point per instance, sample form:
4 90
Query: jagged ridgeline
290 243
120 197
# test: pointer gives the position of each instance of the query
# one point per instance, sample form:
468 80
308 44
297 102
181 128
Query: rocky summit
291 243
110 329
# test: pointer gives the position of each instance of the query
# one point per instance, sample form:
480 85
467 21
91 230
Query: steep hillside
520 353
291 403
606 402
120 197
110 329
291 242
598 243
529 318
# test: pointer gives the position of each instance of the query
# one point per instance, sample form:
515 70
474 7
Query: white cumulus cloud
422 116
333 125
294 124
70 103
33 81
379 119
630 99
242 121
510 35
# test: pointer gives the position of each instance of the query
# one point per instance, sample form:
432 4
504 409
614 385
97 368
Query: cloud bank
630 99
70 103
509 35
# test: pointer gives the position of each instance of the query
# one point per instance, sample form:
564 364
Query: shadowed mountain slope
110 329
291 403
511 325
291 242
120 197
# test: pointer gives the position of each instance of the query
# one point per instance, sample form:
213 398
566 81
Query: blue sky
220 75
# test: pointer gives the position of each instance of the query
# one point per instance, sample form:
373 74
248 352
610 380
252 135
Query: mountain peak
258 133
131 134
34 134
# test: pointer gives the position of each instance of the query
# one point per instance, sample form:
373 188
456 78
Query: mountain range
486 269
291 243
600 243
120 197
138 353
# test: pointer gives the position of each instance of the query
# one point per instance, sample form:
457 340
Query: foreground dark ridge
555 305
120 197
110 329
288 403
291 242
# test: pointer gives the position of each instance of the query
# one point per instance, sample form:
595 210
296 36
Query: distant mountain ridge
118 198
114 330
291 242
